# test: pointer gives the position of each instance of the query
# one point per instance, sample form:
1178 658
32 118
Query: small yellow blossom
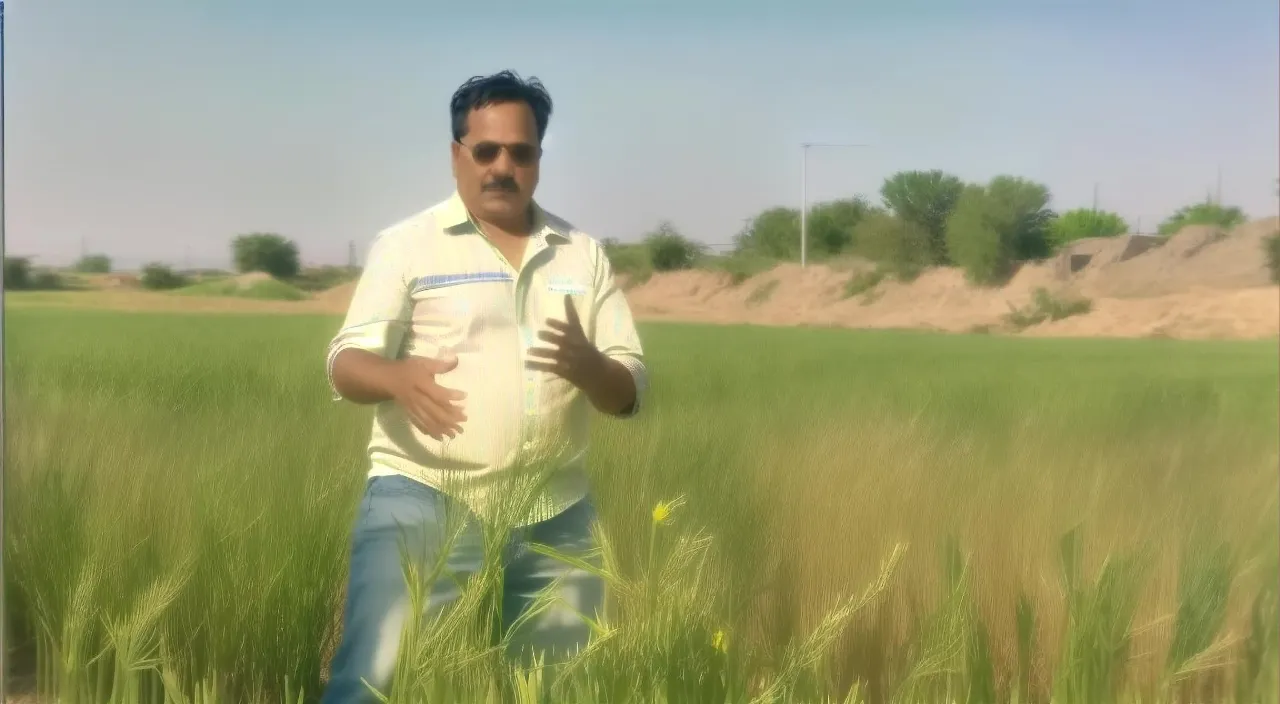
720 642
662 511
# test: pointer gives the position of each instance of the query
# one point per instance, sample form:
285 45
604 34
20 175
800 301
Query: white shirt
434 285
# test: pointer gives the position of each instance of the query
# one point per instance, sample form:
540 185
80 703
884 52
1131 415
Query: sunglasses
522 153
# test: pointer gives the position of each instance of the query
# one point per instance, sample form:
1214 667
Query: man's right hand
361 376
433 409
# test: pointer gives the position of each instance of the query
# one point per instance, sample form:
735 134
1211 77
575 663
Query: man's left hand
571 355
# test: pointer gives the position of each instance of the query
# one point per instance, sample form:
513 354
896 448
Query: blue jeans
398 513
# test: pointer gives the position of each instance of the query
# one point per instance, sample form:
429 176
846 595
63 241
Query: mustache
504 183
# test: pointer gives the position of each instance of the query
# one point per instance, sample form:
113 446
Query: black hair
504 87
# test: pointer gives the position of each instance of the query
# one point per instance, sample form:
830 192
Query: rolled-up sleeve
614 331
380 308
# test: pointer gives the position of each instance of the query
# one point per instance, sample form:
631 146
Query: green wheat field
801 515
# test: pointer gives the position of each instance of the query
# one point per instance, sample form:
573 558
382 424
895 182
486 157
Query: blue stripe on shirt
433 281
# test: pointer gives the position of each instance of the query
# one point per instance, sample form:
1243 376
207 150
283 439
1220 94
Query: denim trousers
400 517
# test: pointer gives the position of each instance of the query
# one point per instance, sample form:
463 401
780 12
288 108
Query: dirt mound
1200 314
781 295
247 281
112 281
336 299
1201 283
1089 256
1197 257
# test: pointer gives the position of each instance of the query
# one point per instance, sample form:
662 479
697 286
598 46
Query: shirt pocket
556 287
449 308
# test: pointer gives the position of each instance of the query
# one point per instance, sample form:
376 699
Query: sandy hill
1202 282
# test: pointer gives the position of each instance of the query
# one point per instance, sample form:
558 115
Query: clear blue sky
157 129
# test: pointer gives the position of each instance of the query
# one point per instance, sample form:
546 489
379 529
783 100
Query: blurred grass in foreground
888 516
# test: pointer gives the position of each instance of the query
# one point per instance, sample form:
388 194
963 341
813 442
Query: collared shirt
434 285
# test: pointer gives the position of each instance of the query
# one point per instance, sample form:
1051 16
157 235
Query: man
481 328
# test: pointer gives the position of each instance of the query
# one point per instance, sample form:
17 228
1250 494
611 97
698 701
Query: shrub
762 293
1022 207
1045 306
671 251
832 226
976 238
1084 223
267 252
159 277
17 273
774 233
630 260
46 280
863 282
325 277
900 247
996 226
1206 213
94 264
743 266
1271 246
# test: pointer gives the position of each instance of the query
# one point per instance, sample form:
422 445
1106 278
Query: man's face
496 165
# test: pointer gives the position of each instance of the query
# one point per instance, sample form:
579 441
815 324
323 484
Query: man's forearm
614 389
363 377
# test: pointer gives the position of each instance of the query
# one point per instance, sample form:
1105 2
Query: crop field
848 516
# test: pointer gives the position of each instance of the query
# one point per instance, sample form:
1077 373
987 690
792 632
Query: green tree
977 237
268 252
1205 213
995 226
1083 223
927 199
831 226
17 273
774 233
159 277
899 246
1022 206
669 250
94 264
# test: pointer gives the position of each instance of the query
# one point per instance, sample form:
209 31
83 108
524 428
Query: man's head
498 125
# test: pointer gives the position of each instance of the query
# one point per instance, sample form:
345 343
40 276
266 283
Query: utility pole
804 192
1095 197
1218 192
351 254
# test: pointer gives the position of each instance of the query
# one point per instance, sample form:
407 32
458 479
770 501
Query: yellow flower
720 642
662 511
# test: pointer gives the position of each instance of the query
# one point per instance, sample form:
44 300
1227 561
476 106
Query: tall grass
799 515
